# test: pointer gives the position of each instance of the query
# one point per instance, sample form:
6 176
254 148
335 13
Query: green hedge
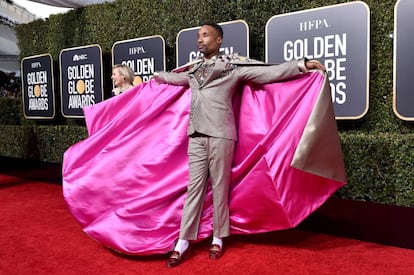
378 148
52 141
380 168
18 142
11 111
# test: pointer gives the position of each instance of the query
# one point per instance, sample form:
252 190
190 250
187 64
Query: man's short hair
216 26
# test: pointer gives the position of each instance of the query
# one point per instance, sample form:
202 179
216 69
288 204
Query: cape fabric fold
126 183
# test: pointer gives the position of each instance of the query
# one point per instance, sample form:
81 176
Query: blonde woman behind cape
122 78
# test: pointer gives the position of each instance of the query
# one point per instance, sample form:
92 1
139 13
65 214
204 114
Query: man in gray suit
212 131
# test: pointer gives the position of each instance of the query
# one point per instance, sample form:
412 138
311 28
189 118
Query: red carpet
39 236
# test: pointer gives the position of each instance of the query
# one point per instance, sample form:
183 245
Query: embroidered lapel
213 71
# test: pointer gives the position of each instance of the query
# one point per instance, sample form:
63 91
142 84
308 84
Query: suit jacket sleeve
269 74
178 79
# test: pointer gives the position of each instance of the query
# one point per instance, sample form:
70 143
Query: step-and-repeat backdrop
325 33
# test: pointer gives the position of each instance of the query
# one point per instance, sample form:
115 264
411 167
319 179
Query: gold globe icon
37 90
80 86
137 80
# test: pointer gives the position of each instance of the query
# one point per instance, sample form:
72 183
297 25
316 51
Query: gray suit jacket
211 100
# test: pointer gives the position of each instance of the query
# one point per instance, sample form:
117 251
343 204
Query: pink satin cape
126 183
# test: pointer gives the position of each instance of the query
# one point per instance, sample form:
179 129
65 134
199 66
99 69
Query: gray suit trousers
208 156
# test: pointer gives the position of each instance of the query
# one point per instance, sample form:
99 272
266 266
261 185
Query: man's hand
314 65
156 77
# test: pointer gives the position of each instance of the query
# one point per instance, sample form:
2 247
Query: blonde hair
125 71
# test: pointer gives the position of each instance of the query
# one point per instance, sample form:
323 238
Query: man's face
208 41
